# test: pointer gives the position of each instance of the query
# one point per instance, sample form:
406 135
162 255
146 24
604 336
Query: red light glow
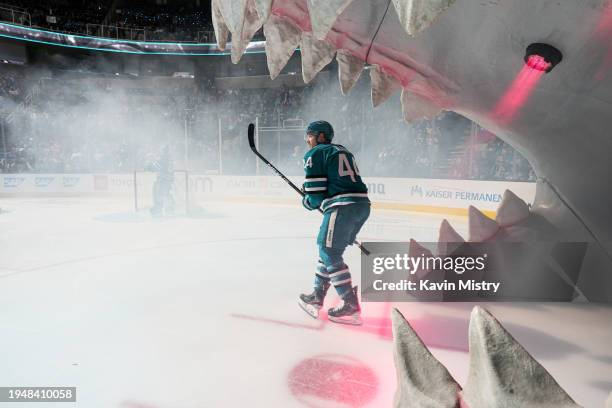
603 33
538 63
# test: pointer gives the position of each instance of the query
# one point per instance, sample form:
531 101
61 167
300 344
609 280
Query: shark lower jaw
502 373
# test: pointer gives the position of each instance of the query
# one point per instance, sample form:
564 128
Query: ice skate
349 313
313 302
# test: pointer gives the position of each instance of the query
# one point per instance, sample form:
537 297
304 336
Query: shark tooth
221 29
448 239
324 13
448 233
250 24
416 250
503 374
282 38
415 107
349 70
422 381
316 54
383 85
481 227
263 8
417 15
512 210
233 12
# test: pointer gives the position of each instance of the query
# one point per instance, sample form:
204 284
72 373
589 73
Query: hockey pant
338 230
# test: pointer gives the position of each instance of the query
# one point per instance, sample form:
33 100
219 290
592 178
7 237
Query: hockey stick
251 134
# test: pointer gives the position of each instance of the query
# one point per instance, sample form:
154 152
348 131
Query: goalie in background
334 185
163 202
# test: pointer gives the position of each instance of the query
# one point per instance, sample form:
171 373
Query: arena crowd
95 125
134 19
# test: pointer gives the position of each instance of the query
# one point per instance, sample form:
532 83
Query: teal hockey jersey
332 178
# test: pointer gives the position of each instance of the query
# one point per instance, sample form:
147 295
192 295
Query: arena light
539 59
542 57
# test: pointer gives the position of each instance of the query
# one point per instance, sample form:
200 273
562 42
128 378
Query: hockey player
333 184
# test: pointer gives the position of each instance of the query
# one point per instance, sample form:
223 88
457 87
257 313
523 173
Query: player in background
163 202
333 184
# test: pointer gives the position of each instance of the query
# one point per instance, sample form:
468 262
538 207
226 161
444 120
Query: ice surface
202 312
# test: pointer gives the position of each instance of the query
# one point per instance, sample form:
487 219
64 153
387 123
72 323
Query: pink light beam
521 88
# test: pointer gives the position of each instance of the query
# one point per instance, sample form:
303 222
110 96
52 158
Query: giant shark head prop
470 57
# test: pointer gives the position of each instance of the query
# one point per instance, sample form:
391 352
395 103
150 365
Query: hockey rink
202 312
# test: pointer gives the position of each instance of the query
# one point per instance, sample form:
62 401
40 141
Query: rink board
427 195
